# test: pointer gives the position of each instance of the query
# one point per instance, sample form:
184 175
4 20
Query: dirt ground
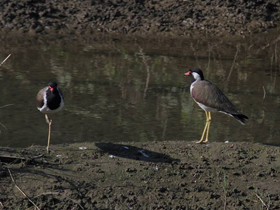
155 175
141 17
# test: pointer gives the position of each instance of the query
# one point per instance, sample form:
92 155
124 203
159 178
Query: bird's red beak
51 88
188 73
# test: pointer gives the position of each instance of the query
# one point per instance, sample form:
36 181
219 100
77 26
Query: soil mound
168 17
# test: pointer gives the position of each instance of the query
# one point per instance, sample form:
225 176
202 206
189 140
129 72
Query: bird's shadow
272 144
135 153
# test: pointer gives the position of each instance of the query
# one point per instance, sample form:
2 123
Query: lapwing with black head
211 99
50 100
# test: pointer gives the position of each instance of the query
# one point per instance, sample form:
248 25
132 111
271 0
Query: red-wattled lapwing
50 100
211 99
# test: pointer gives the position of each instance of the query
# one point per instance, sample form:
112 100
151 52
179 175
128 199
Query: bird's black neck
53 99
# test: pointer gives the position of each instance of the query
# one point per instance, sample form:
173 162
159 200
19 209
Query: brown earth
155 175
148 17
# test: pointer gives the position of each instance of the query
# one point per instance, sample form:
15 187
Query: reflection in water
133 90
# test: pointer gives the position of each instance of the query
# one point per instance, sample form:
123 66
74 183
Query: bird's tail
240 117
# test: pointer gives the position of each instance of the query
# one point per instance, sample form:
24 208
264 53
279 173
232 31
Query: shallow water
119 89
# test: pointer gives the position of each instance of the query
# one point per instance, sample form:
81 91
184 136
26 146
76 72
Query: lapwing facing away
211 99
50 100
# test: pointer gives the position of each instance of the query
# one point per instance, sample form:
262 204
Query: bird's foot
200 141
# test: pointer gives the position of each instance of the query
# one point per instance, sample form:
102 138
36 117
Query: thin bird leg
206 125
49 136
47 119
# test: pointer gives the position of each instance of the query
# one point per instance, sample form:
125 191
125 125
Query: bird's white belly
46 110
206 108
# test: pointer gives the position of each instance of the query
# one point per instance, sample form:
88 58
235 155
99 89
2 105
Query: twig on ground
262 201
5 59
37 156
22 191
46 193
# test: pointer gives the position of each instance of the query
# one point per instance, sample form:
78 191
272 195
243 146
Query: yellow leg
208 126
49 136
205 128
47 119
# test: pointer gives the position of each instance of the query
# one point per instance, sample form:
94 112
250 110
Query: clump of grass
23 193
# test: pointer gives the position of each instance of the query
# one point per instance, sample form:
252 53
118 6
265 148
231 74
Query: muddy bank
156 175
151 17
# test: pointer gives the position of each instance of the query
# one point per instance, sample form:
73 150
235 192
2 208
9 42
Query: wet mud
155 175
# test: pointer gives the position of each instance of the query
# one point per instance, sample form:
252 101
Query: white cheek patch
196 76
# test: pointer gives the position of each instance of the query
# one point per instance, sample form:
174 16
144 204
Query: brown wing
40 98
210 95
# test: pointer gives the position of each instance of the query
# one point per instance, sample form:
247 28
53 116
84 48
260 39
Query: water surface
119 89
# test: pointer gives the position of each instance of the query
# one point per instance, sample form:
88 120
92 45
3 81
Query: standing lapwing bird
211 99
50 100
